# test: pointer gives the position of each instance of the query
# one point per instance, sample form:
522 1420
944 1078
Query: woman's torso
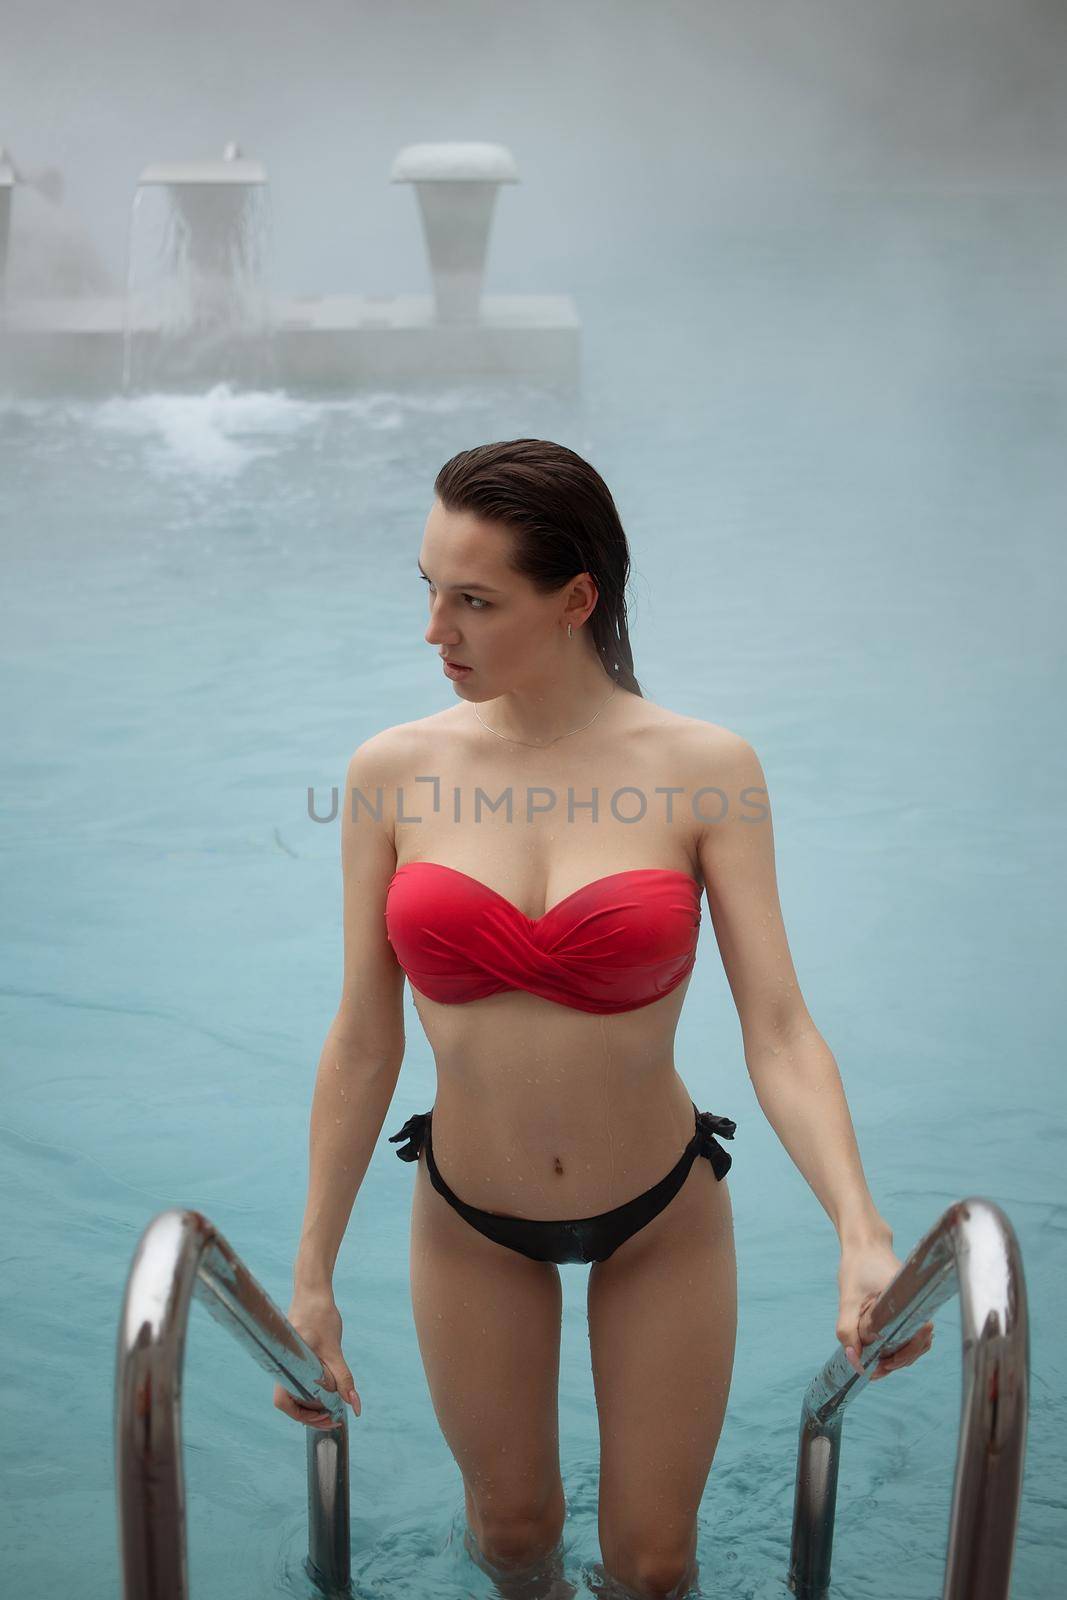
543 1110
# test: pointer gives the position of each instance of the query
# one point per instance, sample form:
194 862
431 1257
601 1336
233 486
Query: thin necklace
542 744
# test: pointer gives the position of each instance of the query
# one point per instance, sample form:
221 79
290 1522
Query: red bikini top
614 945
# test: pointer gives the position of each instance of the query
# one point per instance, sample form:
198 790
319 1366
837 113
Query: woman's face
485 616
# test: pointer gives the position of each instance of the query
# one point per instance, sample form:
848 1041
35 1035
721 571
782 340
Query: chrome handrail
181 1255
972 1249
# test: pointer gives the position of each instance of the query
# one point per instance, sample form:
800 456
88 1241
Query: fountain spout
456 186
211 197
197 304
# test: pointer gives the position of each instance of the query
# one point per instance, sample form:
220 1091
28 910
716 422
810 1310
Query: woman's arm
792 1068
364 1047
353 1092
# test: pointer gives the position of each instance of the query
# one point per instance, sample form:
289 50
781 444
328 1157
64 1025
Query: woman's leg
662 1329
488 1325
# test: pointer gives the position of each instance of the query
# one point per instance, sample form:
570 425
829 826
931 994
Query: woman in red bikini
532 859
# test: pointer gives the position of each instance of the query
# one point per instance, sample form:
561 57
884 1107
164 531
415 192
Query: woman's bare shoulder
396 744
694 733
382 764
720 760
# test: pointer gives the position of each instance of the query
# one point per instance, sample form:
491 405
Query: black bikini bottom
586 1238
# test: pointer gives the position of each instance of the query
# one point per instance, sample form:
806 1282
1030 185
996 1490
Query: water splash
198 307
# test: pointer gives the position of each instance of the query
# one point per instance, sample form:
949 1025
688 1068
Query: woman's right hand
314 1315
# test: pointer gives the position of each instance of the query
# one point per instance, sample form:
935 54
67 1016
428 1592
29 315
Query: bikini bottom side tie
583 1239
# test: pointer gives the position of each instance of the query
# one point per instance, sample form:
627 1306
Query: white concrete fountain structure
455 331
456 187
332 341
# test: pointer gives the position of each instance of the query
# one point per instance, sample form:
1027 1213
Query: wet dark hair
564 522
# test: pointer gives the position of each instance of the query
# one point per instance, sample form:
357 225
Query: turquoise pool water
837 443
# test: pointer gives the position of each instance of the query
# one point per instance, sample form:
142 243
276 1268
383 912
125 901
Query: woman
533 858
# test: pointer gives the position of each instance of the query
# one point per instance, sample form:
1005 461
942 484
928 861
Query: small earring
570 631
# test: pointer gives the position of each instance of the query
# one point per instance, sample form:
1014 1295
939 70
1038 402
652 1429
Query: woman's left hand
865 1271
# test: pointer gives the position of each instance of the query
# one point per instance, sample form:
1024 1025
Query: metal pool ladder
972 1249
181 1255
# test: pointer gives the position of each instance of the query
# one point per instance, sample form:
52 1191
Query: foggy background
818 249
634 125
